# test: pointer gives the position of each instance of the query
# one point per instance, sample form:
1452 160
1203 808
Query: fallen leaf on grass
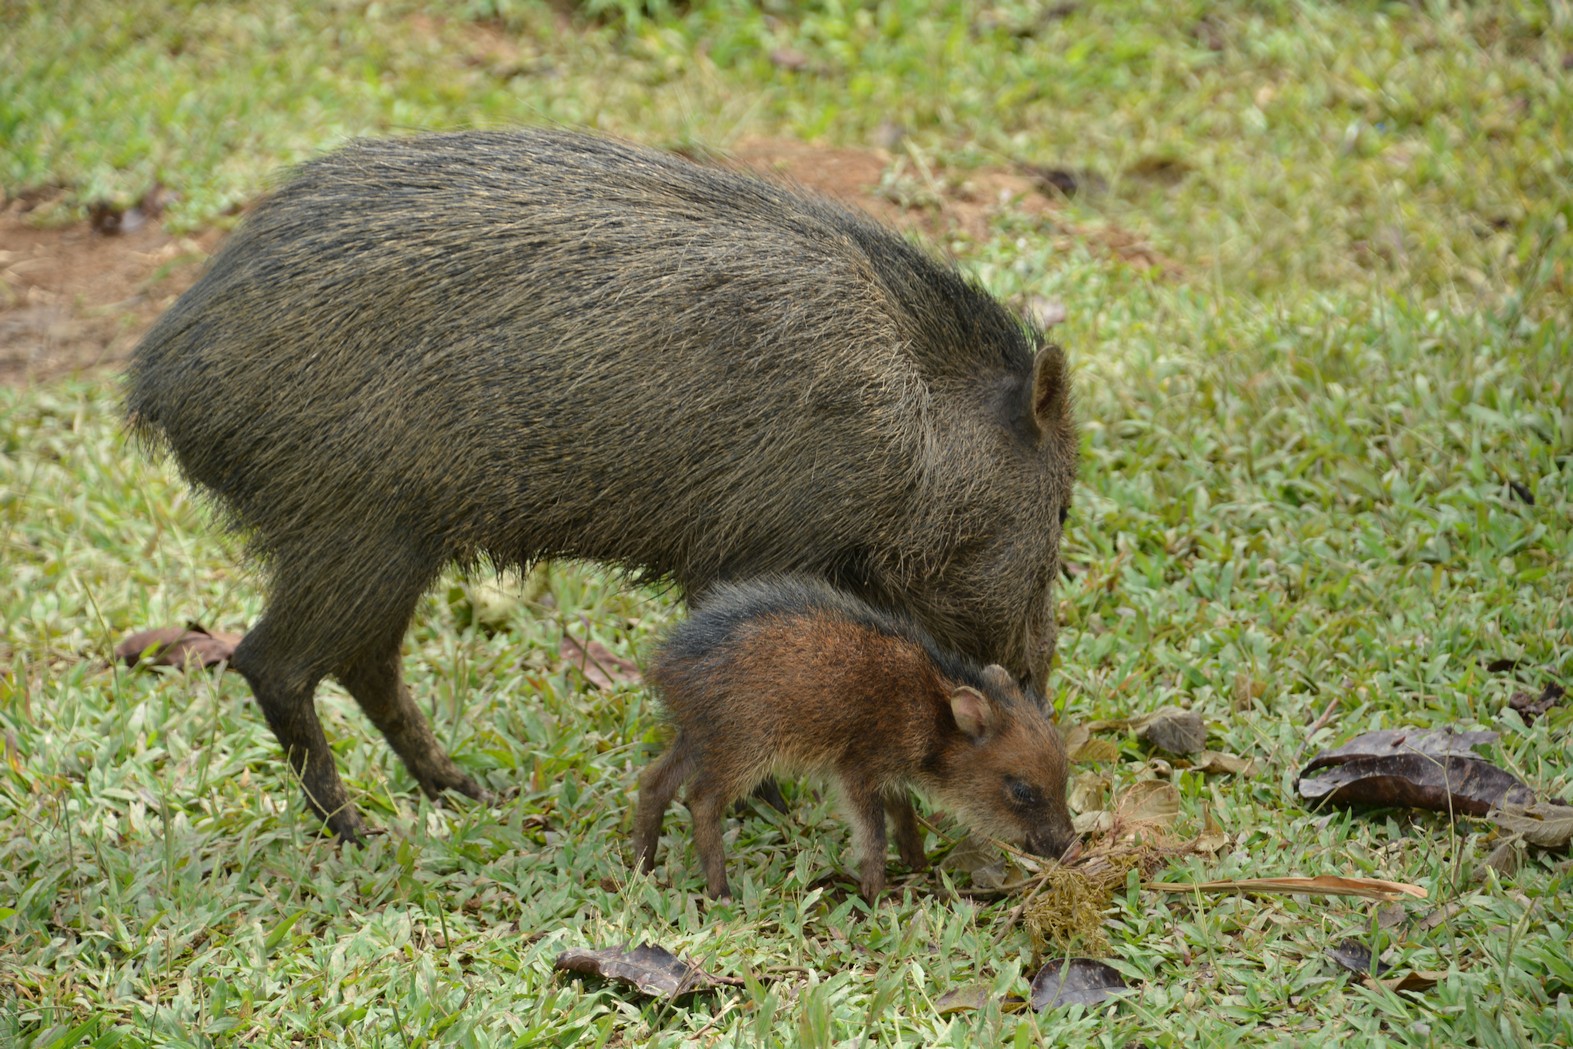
983 862
600 666
1075 981
1412 982
653 971
1081 748
1426 769
1357 958
174 646
1212 840
1216 762
1531 707
1174 730
1148 803
1321 885
1148 807
975 997
1545 824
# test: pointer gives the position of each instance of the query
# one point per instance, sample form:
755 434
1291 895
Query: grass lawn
1327 413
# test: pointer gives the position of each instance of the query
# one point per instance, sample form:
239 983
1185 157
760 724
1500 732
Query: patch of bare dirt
77 299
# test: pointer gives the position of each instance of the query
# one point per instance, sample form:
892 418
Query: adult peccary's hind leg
341 607
374 679
283 685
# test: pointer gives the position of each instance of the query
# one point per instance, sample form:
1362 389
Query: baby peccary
789 676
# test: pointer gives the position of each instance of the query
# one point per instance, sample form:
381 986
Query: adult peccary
509 346
791 676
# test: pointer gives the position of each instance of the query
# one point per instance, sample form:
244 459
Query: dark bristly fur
790 676
510 346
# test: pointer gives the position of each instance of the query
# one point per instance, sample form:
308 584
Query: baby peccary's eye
1021 793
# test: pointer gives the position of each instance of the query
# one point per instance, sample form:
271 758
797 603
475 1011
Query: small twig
731 1003
1320 723
1020 910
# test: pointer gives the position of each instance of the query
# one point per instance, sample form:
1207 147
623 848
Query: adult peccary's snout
515 346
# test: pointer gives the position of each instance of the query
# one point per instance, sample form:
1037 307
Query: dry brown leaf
1093 824
1082 748
1174 731
600 666
1075 981
1428 769
975 997
1531 707
1545 824
983 862
177 647
1216 762
1411 982
1087 791
1321 885
1149 802
1212 840
652 970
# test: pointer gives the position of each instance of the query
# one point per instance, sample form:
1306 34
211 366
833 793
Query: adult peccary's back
544 344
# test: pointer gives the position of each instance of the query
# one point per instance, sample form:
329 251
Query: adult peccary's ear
1050 388
1000 678
973 712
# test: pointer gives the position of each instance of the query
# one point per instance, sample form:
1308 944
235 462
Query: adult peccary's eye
1065 512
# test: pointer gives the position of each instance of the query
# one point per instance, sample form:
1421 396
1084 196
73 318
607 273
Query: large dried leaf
1151 803
974 997
1546 824
1075 981
651 970
1174 731
1321 885
1212 840
174 646
1411 982
600 666
1434 742
1433 769
1081 748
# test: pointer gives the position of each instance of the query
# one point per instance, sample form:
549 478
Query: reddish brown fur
791 677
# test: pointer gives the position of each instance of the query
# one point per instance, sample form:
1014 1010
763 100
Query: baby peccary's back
790 676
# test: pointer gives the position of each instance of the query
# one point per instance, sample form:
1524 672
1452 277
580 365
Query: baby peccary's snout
789 676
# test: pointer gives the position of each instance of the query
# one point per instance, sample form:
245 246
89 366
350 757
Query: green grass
1295 494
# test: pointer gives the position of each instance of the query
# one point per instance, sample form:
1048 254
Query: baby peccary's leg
707 803
865 810
657 787
909 837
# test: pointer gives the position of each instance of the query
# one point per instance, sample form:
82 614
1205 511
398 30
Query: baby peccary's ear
973 712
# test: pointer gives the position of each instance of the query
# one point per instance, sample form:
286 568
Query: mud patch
74 299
